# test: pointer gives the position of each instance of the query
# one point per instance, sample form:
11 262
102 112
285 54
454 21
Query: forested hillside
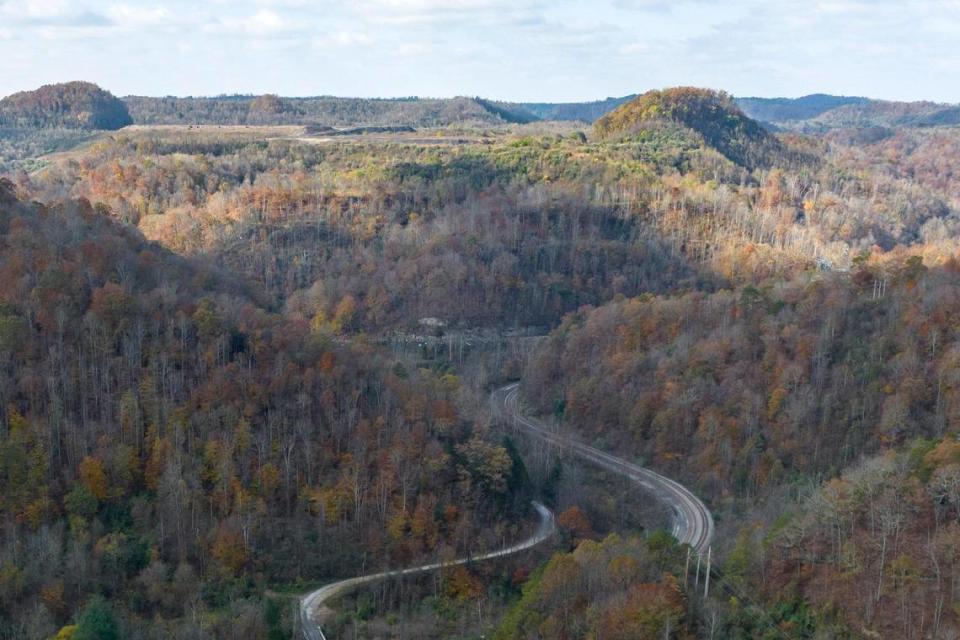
876 547
515 232
763 384
173 447
73 105
323 110
815 408
498 236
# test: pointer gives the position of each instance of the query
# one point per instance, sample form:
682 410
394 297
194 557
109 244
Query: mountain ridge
84 105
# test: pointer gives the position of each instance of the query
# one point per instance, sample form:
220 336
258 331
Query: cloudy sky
551 50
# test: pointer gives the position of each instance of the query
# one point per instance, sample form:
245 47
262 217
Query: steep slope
73 105
893 564
736 391
172 446
712 115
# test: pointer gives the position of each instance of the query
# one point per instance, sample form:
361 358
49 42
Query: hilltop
710 115
72 105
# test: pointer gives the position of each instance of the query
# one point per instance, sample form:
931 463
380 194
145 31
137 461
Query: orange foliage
94 478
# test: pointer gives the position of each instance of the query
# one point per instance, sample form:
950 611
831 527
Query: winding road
692 521
313 606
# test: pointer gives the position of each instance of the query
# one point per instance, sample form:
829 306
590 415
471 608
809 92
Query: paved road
315 601
692 521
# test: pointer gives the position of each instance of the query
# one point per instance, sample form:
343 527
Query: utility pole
696 584
706 582
686 569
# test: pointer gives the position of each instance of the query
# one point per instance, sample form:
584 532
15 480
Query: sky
523 50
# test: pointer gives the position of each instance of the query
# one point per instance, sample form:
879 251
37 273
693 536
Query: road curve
315 600
692 521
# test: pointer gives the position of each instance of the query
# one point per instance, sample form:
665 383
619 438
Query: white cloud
37 9
131 16
289 4
413 49
264 22
636 48
343 39
514 49
434 11
50 13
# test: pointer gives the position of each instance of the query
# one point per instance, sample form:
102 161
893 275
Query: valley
253 353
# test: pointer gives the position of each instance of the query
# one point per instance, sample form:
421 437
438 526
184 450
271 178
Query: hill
335 111
791 109
320 110
73 105
711 115
820 113
875 113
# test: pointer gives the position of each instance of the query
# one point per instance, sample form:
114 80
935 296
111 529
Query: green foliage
273 616
524 614
612 589
81 502
917 458
790 618
97 622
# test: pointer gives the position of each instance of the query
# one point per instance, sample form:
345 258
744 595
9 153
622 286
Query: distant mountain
820 113
949 116
873 113
711 115
73 105
789 109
